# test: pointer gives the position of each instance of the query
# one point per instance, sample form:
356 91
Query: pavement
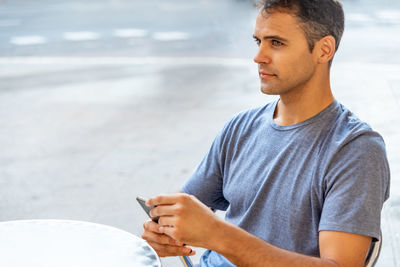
92 116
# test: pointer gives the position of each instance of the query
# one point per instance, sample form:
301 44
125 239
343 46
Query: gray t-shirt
284 184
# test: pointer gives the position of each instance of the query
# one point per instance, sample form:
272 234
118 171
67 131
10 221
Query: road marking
81 36
126 61
171 36
28 40
130 33
201 61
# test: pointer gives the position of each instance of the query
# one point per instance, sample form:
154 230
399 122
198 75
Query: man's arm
336 249
187 220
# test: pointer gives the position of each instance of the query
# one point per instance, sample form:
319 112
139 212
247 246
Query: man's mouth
266 75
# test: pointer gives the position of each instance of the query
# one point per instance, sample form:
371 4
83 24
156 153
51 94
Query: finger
192 252
161 200
152 227
170 231
168 250
164 210
165 199
160 239
166 221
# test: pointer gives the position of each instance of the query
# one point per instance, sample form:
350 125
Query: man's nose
262 56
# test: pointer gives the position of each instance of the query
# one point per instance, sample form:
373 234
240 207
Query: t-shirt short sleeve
206 182
356 186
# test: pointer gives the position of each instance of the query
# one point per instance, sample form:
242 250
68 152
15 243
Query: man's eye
276 43
258 42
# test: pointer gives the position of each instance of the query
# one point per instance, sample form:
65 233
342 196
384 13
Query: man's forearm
244 249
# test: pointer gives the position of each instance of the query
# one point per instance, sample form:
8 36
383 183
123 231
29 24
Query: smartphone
147 209
142 202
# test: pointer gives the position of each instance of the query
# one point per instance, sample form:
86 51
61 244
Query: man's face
284 60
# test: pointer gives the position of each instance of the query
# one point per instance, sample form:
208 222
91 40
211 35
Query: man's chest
273 179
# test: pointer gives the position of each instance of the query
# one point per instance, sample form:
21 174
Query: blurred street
105 100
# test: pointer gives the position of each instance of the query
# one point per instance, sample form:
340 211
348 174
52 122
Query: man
302 179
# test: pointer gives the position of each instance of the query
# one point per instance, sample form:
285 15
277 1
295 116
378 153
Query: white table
62 243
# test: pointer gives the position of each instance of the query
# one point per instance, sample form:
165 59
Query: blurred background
105 100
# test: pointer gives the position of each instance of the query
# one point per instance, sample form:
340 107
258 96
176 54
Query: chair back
373 252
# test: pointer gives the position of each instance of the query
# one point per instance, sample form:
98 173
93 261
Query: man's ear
325 49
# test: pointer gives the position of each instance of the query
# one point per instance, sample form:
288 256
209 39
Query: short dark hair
318 18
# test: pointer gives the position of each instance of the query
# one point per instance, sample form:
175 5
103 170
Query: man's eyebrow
274 37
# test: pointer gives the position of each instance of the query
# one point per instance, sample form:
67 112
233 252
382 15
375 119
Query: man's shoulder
349 133
348 126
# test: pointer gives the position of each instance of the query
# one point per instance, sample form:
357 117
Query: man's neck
304 103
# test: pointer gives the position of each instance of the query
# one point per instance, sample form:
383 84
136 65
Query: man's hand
164 245
184 218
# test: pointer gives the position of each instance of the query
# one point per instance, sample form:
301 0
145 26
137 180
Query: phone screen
146 208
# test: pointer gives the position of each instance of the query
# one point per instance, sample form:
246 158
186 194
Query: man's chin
269 91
